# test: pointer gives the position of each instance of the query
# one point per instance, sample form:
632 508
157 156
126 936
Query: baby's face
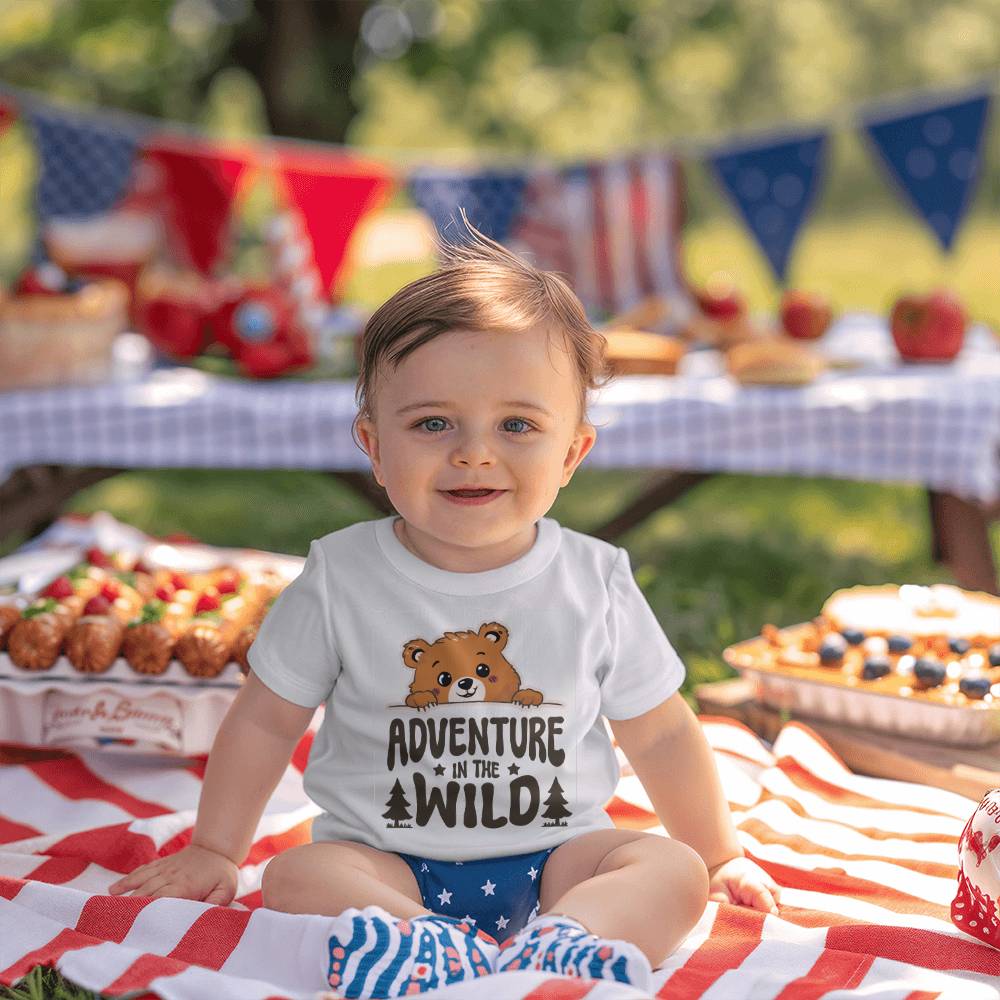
461 428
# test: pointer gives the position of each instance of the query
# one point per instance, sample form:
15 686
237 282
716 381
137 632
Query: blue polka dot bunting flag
86 160
774 186
491 199
933 155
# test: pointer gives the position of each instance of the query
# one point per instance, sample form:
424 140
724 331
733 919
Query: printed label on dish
68 718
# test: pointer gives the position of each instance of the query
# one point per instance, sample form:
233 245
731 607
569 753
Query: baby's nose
474 448
465 683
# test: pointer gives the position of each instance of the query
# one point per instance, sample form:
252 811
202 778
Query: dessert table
868 417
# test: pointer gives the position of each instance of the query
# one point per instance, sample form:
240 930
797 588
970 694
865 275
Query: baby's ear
583 441
369 439
413 651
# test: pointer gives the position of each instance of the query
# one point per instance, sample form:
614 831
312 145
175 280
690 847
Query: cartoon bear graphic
465 666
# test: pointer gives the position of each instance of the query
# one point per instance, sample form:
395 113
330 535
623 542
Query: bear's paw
528 698
421 699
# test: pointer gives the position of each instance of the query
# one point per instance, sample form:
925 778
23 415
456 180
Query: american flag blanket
867 867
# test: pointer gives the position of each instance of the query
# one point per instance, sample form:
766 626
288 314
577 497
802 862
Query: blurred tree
564 78
568 76
301 53
571 78
164 57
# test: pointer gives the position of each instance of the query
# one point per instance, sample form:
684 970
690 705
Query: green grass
46 984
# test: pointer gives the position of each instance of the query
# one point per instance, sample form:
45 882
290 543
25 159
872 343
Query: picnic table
869 418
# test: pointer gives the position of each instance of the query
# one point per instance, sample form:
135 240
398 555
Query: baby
467 653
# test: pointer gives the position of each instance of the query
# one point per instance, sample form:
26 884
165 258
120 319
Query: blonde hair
481 285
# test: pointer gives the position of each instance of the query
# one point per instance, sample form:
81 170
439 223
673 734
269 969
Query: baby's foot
561 945
374 954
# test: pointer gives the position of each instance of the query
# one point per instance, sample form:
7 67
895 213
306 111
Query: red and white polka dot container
974 908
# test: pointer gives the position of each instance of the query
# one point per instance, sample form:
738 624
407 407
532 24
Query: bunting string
612 224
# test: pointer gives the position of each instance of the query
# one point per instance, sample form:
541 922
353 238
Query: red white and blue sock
374 954
561 945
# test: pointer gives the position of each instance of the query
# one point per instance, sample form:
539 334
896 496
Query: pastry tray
119 673
787 688
166 719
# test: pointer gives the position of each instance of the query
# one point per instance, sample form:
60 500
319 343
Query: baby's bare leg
330 877
628 885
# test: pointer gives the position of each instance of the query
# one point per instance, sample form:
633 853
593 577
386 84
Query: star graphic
471 920
514 769
444 897
439 770
502 923
488 888
423 867
533 872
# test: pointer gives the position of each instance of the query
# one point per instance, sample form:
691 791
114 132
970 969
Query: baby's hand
744 883
192 873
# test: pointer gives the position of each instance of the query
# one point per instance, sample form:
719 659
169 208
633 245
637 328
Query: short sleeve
644 669
294 652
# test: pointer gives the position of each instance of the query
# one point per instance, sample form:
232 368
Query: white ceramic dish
956 725
970 725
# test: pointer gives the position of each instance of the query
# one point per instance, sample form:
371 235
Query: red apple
928 328
174 327
805 315
172 309
720 298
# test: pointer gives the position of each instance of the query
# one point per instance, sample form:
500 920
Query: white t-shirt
463 710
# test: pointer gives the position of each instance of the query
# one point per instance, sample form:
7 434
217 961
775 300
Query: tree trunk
301 53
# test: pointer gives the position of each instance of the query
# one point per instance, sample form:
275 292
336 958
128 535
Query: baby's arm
249 755
674 762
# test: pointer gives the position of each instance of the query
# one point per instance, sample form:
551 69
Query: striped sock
561 945
374 954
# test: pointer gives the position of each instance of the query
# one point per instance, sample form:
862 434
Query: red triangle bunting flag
199 182
7 114
333 192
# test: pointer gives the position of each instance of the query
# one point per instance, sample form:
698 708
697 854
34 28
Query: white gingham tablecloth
934 425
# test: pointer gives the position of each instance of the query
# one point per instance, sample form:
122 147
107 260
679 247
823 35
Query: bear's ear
412 652
495 632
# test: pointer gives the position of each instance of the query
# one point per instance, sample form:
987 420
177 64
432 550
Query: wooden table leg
663 490
961 533
364 484
32 497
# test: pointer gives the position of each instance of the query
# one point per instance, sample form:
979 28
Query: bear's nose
465 683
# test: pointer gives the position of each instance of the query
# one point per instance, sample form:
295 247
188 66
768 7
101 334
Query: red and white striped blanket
868 869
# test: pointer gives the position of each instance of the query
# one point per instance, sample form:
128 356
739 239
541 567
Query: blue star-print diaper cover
500 895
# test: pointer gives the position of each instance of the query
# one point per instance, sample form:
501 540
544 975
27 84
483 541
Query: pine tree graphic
398 809
555 805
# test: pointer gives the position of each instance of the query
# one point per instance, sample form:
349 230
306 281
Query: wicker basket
60 339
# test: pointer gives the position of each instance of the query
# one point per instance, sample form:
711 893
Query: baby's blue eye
518 420
427 422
